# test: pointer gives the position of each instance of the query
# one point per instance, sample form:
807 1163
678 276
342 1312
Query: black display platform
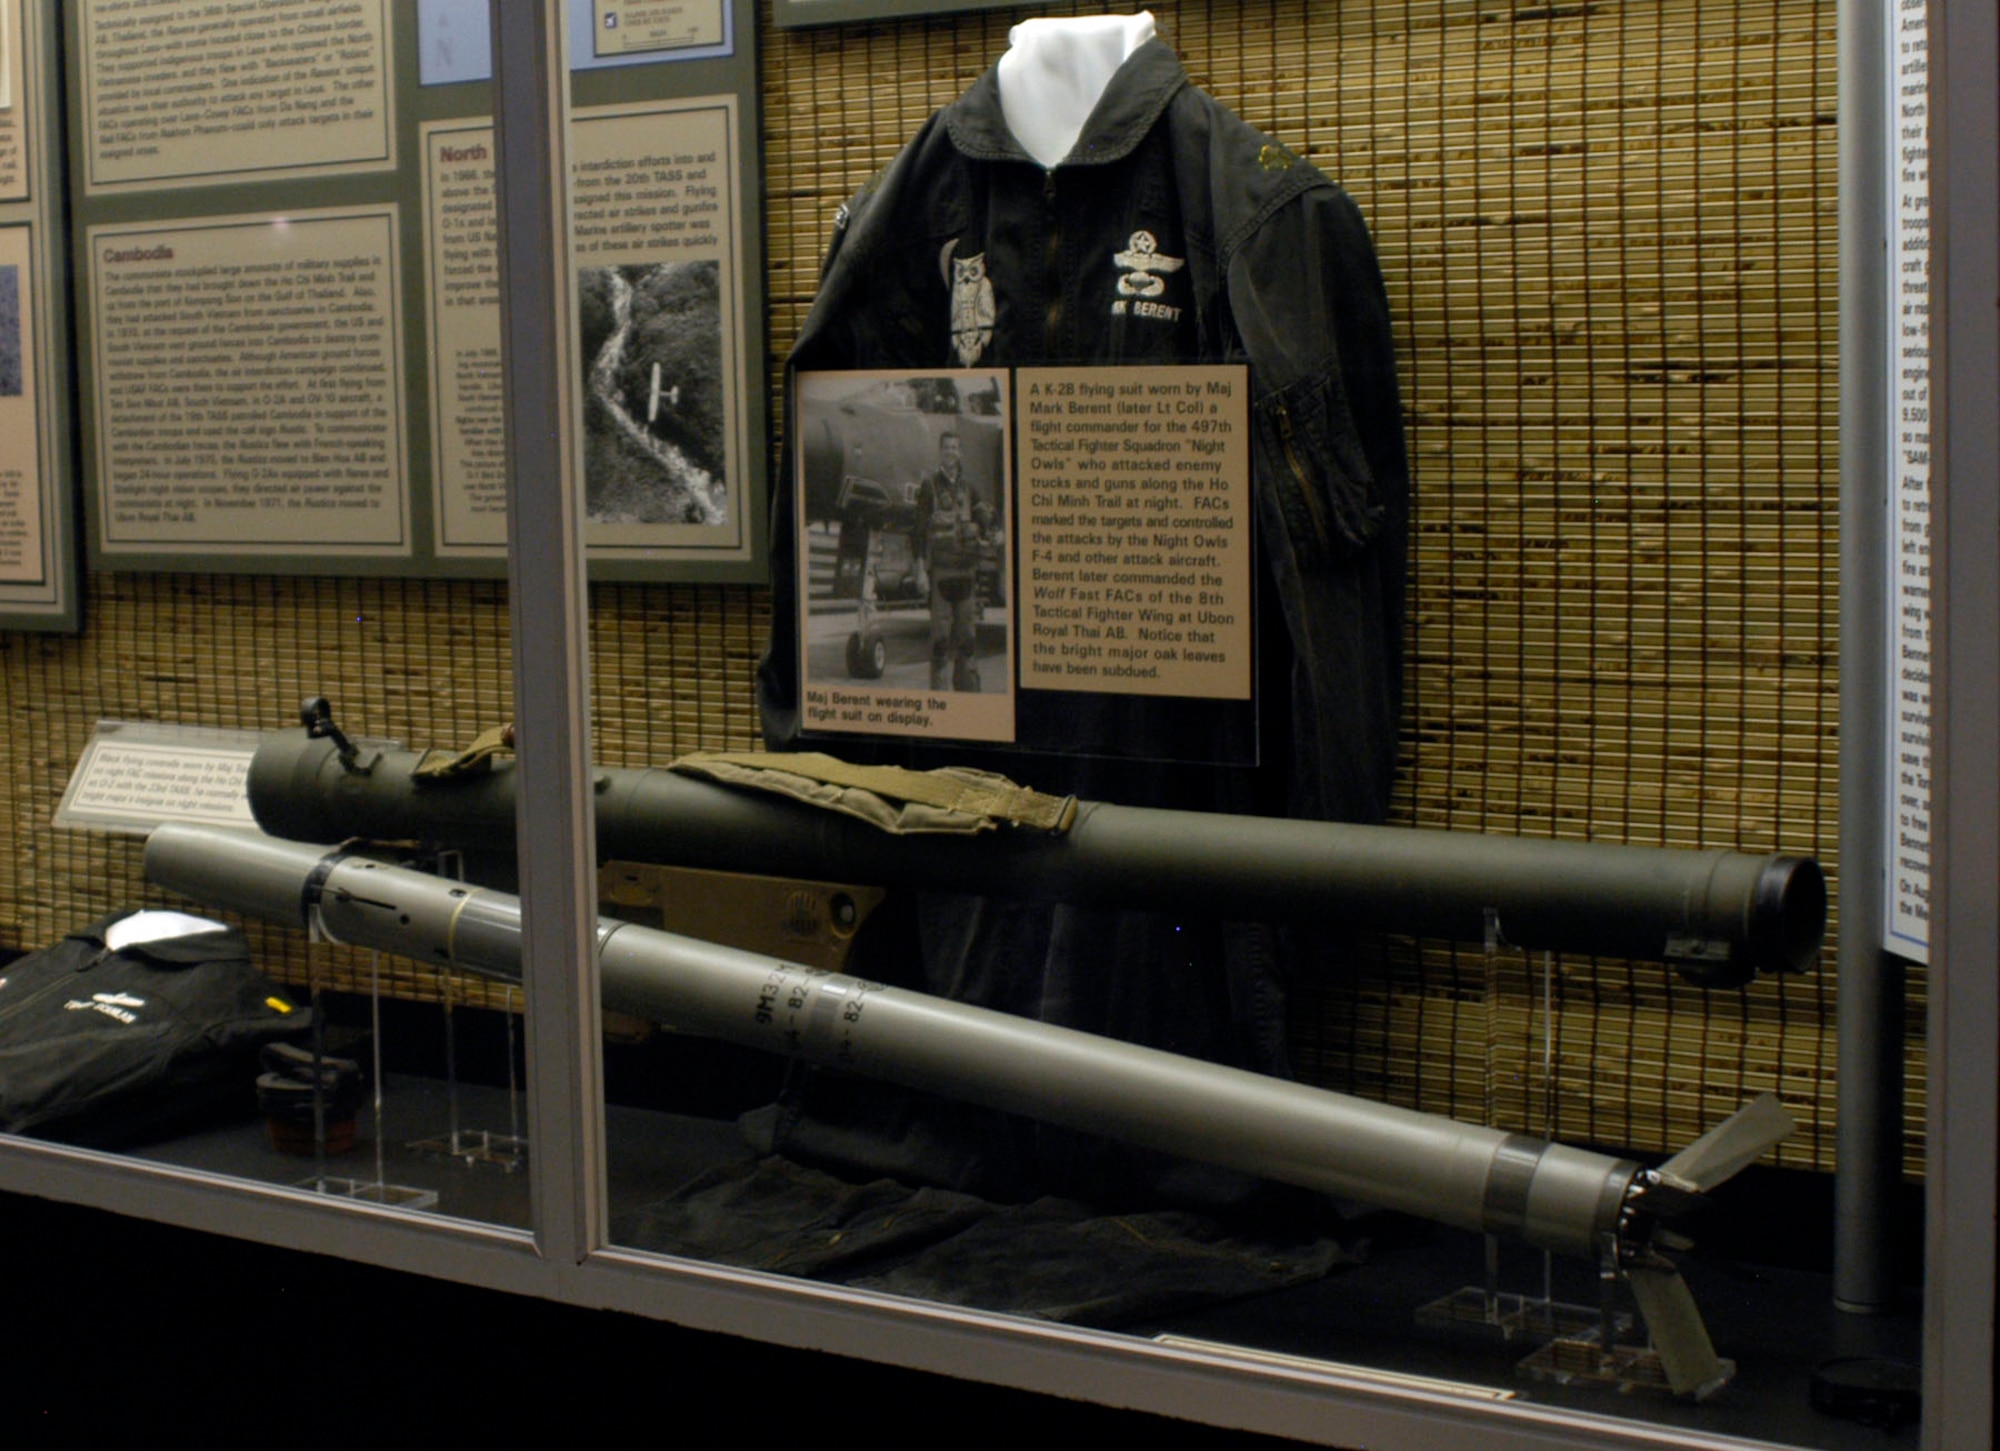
1776 1323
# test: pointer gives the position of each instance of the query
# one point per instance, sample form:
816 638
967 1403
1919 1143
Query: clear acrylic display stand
377 1190
475 1147
1577 1343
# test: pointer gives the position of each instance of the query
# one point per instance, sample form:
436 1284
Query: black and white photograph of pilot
903 535
10 331
655 415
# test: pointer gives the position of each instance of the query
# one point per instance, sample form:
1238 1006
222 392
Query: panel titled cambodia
248 384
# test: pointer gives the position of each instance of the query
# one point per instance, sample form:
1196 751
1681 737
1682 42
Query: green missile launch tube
1717 915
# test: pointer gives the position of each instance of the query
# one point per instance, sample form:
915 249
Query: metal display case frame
567 1256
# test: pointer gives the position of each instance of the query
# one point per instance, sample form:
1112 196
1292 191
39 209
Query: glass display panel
38 587
230 1012
198 1002
957 1098
290 312
1383 992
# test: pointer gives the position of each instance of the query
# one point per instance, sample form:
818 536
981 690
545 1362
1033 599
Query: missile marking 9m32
1564 1199
1718 916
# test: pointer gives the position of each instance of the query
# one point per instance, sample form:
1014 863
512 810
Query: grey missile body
1717 915
1569 1200
1548 1194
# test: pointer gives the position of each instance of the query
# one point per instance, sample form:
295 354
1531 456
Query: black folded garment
138 1027
1057 1259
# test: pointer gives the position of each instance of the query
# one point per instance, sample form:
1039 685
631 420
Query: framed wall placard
656 214
38 579
249 384
798 14
284 89
1048 559
288 299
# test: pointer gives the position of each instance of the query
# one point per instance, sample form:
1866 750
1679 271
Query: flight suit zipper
1051 283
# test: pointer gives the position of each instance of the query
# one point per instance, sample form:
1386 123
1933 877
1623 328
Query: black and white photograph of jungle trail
10 332
654 404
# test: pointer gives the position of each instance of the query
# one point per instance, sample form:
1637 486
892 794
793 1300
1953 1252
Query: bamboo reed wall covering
1608 231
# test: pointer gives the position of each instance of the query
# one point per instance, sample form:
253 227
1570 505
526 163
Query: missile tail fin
1686 1353
1732 1145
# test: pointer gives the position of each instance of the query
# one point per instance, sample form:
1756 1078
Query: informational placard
249 384
1907 814
134 776
37 510
455 40
1016 556
638 27
655 215
13 116
289 296
22 554
186 94
1134 567
904 540
468 445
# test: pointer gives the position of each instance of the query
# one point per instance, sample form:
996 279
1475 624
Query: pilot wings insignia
1143 262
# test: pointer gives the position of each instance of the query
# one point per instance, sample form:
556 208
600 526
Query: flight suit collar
1149 79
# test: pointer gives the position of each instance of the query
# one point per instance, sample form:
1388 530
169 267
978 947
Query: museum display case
1222 760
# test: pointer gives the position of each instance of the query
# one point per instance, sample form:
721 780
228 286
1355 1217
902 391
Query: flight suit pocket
1320 480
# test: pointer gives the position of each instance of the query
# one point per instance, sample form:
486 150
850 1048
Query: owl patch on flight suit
971 303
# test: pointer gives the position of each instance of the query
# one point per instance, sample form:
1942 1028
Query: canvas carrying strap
893 798
439 765
952 799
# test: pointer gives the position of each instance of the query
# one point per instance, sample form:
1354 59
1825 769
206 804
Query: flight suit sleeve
1309 302
1332 482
